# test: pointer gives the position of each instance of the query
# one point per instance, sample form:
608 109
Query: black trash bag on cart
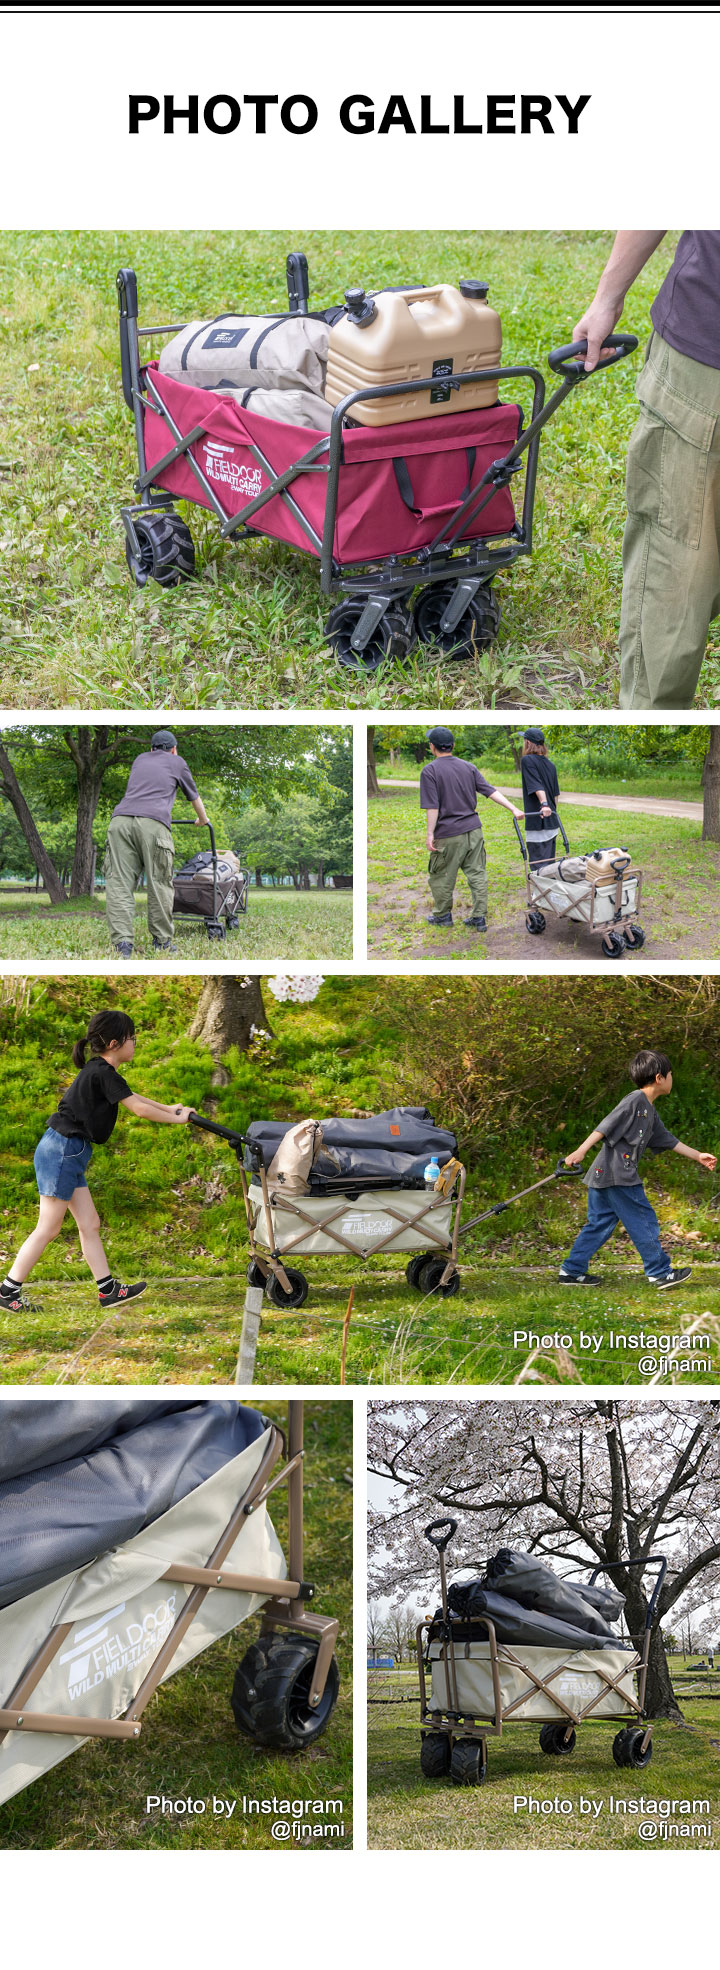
536 1586
514 1623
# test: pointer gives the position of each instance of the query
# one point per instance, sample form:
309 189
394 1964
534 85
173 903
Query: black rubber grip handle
561 359
214 1128
433 1529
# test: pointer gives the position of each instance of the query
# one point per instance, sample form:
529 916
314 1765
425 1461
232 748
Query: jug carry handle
435 1534
559 359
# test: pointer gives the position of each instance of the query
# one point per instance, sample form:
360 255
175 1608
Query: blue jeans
619 1204
60 1164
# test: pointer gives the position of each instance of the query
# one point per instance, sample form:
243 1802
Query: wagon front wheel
468 1764
430 1275
627 1749
613 946
166 552
535 922
634 937
414 1268
255 1275
435 1755
393 636
555 1743
298 1293
271 1693
478 625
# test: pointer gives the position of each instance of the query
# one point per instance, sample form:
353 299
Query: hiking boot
124 950
674 1277
118 1293
12 1301
169 949
441 923
475 923
579 1279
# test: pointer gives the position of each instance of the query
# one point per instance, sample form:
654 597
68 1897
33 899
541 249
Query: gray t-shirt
452 786
686 312
155 778
627 1132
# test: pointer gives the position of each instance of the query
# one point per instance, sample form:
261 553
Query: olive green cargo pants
135 844
458 852
671 548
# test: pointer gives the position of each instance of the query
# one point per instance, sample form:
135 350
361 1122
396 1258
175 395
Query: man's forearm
199 807
629 254
502 802
431 819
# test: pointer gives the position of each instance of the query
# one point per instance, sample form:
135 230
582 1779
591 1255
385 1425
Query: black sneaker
14 1300
120 1293
475 923
675 1277
579 1279
169 949
441 923
124 950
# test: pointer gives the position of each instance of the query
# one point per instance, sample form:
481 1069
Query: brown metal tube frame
281 1608
449 1716
273 1261
586 893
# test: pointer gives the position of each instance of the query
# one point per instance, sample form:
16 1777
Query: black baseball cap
441 737
534 735
162 742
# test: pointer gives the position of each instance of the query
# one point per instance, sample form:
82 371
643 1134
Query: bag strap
404 481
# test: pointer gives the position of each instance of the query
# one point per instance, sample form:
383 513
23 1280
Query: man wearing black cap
139 838
449 789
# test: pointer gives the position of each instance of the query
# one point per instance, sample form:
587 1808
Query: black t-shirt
155 778
539 776
452 786
89 1108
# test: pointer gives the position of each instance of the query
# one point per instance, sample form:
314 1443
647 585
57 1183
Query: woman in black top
86 1114
541 793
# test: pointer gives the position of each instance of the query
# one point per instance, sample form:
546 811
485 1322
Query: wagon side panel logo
110 1645
222 465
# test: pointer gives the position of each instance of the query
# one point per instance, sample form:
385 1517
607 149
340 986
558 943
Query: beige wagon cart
607 906
133 1535
470 1689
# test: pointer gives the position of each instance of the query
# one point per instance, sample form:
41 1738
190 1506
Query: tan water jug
419 332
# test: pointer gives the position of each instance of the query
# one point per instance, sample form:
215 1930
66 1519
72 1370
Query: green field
189 1744
677 910
287 925
249 630
406 1810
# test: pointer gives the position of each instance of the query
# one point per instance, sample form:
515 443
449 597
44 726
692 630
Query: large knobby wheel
477 627
271 1693
255 1275
627 1749
613 946
393 636
414 1268
430 1275
554 1742
468 1764
298 1293
167 554
535 923
634 936
435 1754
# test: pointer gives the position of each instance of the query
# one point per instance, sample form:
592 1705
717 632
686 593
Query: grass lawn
678 902
409 1811
249 630
281 924
189 1745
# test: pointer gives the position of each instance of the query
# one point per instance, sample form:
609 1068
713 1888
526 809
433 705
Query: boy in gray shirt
615 1193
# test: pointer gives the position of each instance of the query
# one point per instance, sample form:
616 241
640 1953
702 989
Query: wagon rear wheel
468 1764
554 1742
429 1277
613 946
167 554
299 1288
535 922
271 1693
393 636
477 627
435 1754
627 1749
634 937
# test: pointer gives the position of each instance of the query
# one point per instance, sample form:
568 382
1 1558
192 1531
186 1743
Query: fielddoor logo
221 463
108 1646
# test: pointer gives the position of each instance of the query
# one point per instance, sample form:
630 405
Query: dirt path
676 810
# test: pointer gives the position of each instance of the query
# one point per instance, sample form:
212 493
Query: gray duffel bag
233 352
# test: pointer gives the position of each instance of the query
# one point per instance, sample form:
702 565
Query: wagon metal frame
386 580
284 1608
455 1724
225 911
539 887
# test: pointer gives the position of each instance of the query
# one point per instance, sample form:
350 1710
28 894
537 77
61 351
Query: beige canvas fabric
293 1160
577 1683
558 894
300 407
242 350
364 1222
122 1612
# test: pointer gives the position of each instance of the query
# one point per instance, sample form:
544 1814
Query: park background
657 789
520 1068
281 797
249 631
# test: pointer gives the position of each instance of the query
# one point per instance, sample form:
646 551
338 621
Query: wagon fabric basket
582 1679
133 1534
393 1147
195 892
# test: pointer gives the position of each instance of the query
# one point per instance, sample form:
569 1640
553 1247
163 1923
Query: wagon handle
561 830
298 284
201 824
214 1128
438 1538
559 359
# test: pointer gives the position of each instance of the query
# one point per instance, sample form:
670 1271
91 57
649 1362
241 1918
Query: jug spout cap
474 290
360 306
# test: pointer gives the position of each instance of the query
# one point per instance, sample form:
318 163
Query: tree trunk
11 787
258 878
373 788
89 757
321 875
514 748
711 787
660 1698
228 1010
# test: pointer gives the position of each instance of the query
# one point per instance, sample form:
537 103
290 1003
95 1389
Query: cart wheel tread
270 1695
615 946
430 1274
634 937
299 1289
535 922
255 1275
167 553
468 1766
627 1749
414 1268
477 628
554 1742
435 1754
393 636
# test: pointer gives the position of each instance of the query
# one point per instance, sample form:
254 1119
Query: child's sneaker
579 1279
13 1300
675 1277
118 1292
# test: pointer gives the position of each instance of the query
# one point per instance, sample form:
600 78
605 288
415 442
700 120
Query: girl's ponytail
105 1029
78 1052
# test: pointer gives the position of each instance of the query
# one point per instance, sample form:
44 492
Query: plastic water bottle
431 1173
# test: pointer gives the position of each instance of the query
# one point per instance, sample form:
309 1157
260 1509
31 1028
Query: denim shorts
60 1164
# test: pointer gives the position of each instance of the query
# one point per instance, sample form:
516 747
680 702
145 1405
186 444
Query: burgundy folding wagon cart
410 523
